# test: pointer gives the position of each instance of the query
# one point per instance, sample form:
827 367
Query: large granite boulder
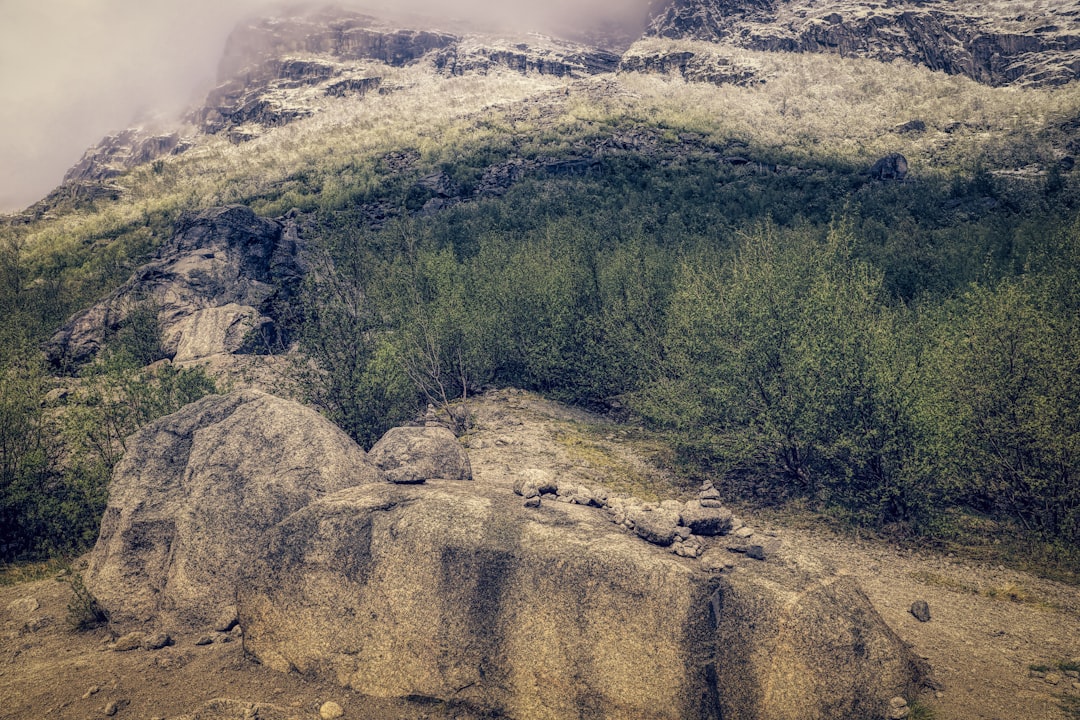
455 592
213 286
196 492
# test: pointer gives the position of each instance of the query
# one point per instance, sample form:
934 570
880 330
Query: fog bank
74 71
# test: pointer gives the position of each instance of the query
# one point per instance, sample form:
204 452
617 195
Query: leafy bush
786 362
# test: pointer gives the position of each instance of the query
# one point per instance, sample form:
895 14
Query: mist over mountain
631 268
72 73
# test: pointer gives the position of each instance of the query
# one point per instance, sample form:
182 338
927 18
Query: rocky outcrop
541 56
119 153
332 32
190 503
890 167
986 43
697 65
213 285
250 511
457 592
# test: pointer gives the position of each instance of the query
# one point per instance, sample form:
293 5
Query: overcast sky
73 71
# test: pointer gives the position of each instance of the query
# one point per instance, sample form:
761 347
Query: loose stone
330 711
921 610
131 641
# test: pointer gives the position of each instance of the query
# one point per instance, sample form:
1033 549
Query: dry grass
811 109
19 573
624 463
1009 591
824 107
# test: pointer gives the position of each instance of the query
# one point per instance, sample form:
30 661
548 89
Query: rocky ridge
278 70
996 44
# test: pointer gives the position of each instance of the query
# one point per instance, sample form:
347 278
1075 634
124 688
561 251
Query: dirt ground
989 626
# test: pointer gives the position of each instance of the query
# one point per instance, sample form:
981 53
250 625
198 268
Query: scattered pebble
131 641
23 607
330 711
157 641
92 690
921 610
898 709
111 709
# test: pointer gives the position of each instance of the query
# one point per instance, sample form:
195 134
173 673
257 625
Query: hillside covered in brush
828 252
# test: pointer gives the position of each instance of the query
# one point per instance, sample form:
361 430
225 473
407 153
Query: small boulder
23 608
921 610
411 455
890 167
704 520
912 126
526 487
330 711
898 709
131 641
656 526
226 620
157 641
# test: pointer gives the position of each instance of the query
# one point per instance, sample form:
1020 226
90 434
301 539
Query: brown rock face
123 151
191 501
457 592
693 67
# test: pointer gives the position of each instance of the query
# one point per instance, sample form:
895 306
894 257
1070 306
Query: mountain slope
994 43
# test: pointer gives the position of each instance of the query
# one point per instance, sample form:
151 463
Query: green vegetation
897 355
56 455
83 610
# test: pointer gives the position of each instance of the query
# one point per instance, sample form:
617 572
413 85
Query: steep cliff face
993 44
124 150
705 63
212 285
534 54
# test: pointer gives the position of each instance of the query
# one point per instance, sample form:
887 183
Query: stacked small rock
898 709
682 527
